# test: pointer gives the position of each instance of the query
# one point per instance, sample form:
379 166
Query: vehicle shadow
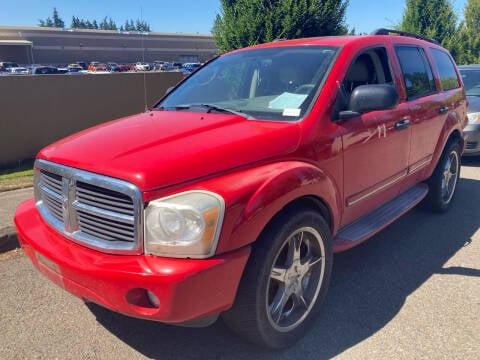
471 161
370 284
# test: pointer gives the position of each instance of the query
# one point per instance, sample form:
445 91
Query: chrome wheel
449 176
295 279
285 280
443 181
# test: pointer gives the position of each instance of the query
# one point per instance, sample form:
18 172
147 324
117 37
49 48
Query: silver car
471 80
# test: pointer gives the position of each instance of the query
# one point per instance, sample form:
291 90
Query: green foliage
105 24
249 22
434 19
437 20
54 21
469 34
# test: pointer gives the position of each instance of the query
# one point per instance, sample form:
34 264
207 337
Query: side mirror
365 98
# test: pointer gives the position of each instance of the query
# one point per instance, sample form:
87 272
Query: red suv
231 195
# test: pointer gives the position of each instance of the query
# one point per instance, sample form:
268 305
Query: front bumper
187 289
472 146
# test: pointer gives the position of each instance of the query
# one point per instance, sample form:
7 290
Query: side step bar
371 223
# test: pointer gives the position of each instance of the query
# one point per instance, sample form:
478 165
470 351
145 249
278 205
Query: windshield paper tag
291 112
287 101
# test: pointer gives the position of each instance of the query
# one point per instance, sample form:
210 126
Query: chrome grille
94 210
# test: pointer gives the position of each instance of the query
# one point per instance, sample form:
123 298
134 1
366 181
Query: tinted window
417 73
446 70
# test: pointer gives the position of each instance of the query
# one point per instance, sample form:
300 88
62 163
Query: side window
446 70
369 67
417 73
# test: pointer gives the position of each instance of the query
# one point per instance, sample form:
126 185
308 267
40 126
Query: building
28 45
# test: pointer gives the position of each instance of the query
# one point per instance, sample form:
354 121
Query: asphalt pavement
410 292
9 200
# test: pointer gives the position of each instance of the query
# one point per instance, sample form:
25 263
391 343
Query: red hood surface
161 148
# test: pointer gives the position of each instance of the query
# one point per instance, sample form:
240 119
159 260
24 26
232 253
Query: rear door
428 105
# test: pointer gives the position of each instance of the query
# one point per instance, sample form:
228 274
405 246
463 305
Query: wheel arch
297 185
448 137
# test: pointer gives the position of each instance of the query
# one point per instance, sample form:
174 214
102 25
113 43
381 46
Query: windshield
471 81
277 83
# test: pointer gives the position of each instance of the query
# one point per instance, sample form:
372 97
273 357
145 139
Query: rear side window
417 73
446 70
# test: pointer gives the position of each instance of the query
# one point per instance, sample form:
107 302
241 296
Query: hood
160 148
473 103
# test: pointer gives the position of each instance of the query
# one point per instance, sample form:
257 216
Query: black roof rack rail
383 31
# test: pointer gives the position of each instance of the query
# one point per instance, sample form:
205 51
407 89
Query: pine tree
247 22
434 19
469 34
57 21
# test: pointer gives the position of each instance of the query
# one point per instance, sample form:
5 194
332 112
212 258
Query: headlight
473 117
184 225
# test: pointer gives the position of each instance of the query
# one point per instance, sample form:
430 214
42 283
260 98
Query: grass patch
16 178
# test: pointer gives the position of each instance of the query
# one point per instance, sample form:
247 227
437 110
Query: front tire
286 278
443 182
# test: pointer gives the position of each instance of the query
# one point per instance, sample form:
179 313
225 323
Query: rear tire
285 280
443 182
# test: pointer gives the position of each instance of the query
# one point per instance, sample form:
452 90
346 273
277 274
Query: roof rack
383 31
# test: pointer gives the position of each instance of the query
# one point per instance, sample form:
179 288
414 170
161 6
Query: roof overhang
16 42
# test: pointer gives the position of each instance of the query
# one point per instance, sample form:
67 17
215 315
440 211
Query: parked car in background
471 80
43 70
5 65
166 66
123 67
188 68
97 66
18 70
142 66
92 65
157 64
113 67
83 64
75 67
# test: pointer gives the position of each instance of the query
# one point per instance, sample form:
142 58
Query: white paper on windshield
291 112
287 101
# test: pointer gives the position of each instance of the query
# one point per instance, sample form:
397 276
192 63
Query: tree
57 21
434 19
469 34
48 22
54 21
248 22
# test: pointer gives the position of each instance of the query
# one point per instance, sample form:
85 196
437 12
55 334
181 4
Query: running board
371 223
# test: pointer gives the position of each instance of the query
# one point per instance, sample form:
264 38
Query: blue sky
194 16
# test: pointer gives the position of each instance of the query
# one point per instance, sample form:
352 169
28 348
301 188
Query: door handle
402 124
443 110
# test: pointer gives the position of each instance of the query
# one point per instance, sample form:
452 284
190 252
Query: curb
8 239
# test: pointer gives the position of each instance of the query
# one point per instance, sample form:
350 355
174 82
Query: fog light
154 300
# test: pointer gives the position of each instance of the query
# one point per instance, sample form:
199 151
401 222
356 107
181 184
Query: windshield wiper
210 108
213 107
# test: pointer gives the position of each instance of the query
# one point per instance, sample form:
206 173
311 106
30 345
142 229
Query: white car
142 66
18 70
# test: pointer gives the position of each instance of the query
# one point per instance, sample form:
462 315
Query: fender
452 128
254 196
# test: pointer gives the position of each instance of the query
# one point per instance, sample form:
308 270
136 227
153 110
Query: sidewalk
9 200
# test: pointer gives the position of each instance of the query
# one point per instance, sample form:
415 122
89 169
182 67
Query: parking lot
9 68
411 292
